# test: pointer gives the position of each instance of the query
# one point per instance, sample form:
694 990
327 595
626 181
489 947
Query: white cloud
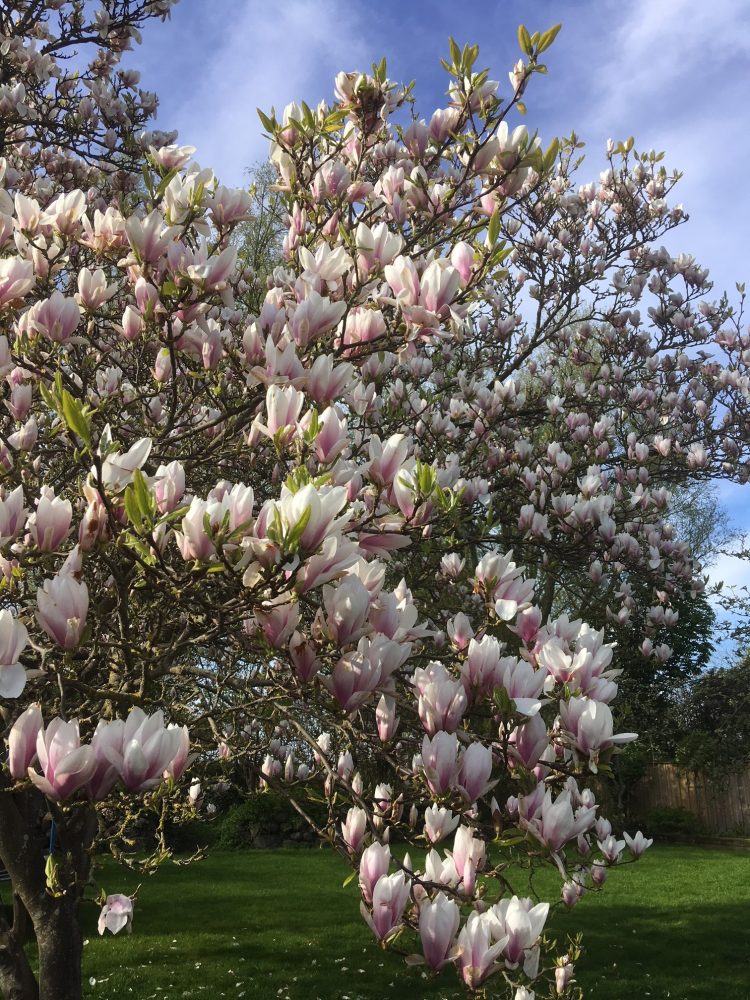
660 61
730 571
213 72
673 73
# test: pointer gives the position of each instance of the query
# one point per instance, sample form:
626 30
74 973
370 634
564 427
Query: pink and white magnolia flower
314 316
13 639
477 957
475 772
193 541
556 823
611 848
171 157
438 823
523 683
148 237
376 247
354 828
147 750
278 623
441 871
460 632
389 899
373 865
176 767
16 279
93 290
589 726
319 509
12 515
468 856
66 765
116 914
521 923
347 606
118 468
385 718
439 761
438 924
49 525
442 699
502 582
55 318
563 976
64 213
529 741
169 486
63 604
354 678
22 741
637 844
386 458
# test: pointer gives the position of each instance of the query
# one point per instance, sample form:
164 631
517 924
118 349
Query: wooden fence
722 804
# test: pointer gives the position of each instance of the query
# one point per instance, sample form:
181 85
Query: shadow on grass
700 951
279 924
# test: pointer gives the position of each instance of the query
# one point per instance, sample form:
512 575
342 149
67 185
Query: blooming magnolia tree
377 539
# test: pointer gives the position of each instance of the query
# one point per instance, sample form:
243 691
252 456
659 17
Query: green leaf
47 396
548 38
293 538
455 53
425 479
141 547
348 880
510 841
143 495
551 155
524 40
132 509
493 230
266 122
147 179
72 410
163 184
504 702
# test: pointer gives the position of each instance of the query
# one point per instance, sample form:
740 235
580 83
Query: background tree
714 733
260 239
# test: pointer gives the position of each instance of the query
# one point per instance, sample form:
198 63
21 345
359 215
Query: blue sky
673 73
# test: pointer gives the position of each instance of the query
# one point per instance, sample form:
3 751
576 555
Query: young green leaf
524 40
73 415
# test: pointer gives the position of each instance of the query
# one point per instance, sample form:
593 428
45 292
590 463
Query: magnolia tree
377 540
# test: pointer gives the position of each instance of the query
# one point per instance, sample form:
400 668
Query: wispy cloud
675 74
213 72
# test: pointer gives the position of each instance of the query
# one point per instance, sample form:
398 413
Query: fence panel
721 804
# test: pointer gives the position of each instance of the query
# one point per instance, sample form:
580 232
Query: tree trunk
60 952
23 845
17 981
22 854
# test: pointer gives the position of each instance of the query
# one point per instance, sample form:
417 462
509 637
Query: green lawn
278 924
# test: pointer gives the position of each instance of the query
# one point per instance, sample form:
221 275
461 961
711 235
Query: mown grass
278 924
